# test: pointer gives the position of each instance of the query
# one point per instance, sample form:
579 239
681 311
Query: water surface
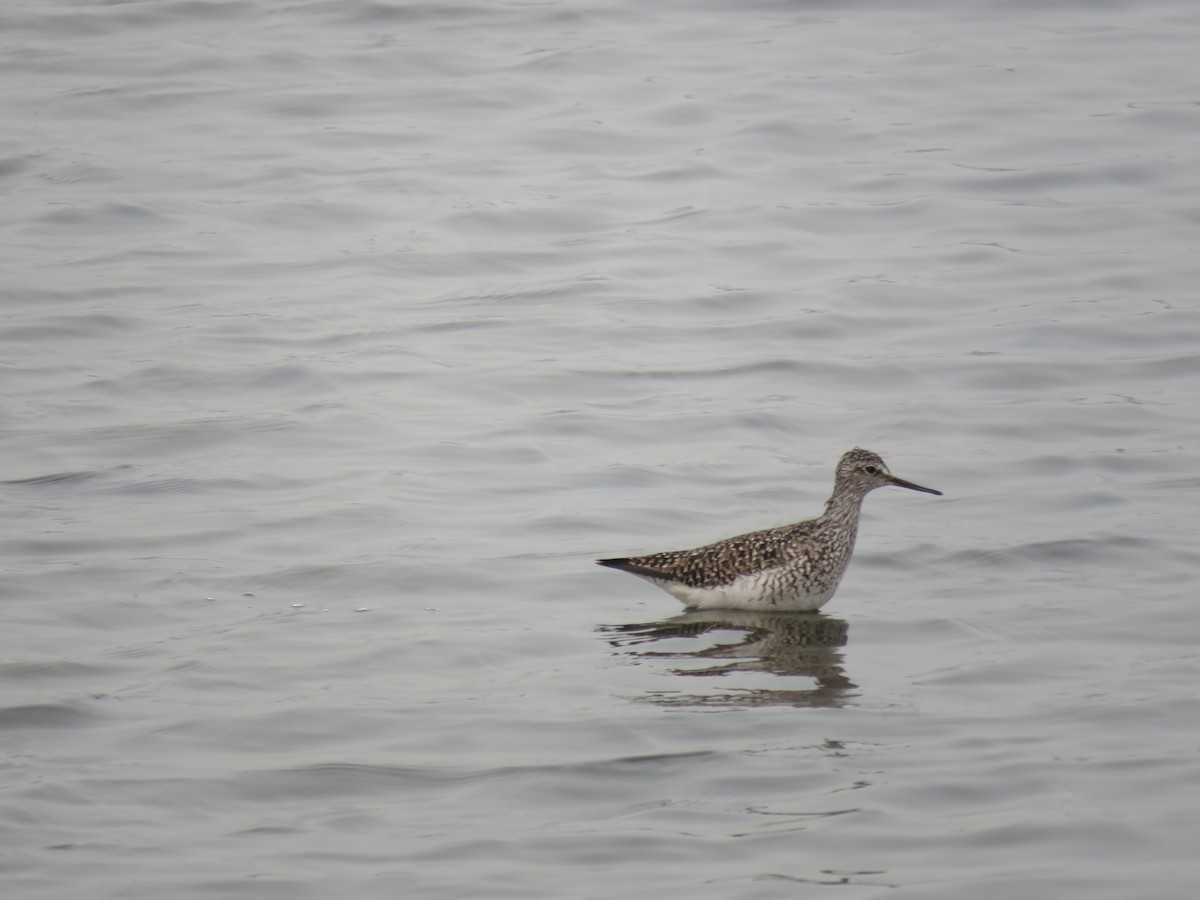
339 338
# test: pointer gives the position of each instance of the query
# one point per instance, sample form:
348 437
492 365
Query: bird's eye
871 470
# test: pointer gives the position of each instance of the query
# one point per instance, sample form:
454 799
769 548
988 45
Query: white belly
761 591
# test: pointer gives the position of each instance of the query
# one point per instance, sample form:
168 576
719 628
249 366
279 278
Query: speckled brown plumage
792 567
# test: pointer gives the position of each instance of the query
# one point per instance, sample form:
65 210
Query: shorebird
792 568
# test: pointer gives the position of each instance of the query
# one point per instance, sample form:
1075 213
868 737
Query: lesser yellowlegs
790 568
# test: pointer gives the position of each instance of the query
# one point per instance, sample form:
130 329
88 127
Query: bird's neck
842 508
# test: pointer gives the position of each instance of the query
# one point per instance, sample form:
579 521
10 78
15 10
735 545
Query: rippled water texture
338 338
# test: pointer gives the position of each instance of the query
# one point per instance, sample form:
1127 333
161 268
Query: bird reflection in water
735 644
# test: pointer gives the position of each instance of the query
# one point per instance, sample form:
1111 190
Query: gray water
340 337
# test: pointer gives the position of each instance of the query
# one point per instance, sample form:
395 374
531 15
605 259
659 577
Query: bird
792 568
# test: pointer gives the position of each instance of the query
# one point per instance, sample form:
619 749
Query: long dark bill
900 482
